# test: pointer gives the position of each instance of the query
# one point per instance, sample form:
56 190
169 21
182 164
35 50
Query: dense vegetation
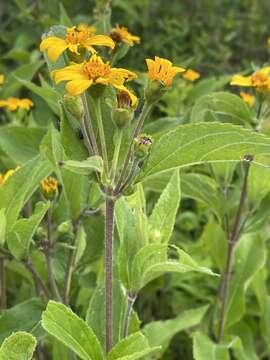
171 160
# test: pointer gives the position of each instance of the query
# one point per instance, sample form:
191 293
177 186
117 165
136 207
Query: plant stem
89 125
119 135
102 137
37 279
69 272
109 224
131 300
233 238
130 175
3 294
145 111
48 255
86 138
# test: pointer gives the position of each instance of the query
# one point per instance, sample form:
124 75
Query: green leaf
80 243
133 347
250 257
25 72
20 143
50 95
162 219
20 186
222 107
160 333
18 346
21 317
21 234
201 143
64 18
84 167
59 321
3 225
204 348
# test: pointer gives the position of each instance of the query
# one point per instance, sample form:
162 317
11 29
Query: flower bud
49 187
65 227
142 146
74 105
123 113
154 91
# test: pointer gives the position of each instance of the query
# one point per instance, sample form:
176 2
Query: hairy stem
131 300
89 126
119 135
109 223
102 137
233 238
145 111
48 255
3 294
69 271
37 279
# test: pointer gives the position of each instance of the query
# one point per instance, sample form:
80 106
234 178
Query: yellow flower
260 80
2 79
9 173
121 34
89 29
12 104
162 70
249 99
76 40
49 185
191 75
81 76
126 98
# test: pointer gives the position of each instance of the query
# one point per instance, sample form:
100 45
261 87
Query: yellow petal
241 80
265 70
49 41
100 40
56 50
71 72
133 97
78 86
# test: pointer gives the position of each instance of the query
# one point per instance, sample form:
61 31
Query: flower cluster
49 185
259 80
13 104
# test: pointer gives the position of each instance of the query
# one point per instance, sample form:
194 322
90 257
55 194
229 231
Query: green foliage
19 346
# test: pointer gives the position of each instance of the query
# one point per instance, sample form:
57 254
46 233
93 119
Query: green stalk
102 137
119 136
144 113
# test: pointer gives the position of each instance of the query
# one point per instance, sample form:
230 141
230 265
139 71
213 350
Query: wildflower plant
89 174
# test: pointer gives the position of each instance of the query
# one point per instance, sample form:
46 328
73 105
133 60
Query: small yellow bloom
248 98
49 185
81 76
191 75
126 99
121 34
89 29
260 80
8 174
12 104
2 79
76 40
162 70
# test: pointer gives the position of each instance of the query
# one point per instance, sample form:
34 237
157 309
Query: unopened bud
123 113
142 146
65 228
74 105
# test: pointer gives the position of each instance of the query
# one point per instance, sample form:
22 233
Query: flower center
74 36
96 69
259 79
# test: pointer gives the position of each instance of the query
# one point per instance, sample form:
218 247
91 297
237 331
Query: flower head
121 34
162 70
49 185
81 76
6 175
260 80
12 104
2 79
248 98
86 28
76 40
191 75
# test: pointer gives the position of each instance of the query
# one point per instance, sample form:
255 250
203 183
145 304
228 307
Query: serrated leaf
202 143
84 167
59 321
18 346
162 219
21 234
204 348
160 333
222 107
133 347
